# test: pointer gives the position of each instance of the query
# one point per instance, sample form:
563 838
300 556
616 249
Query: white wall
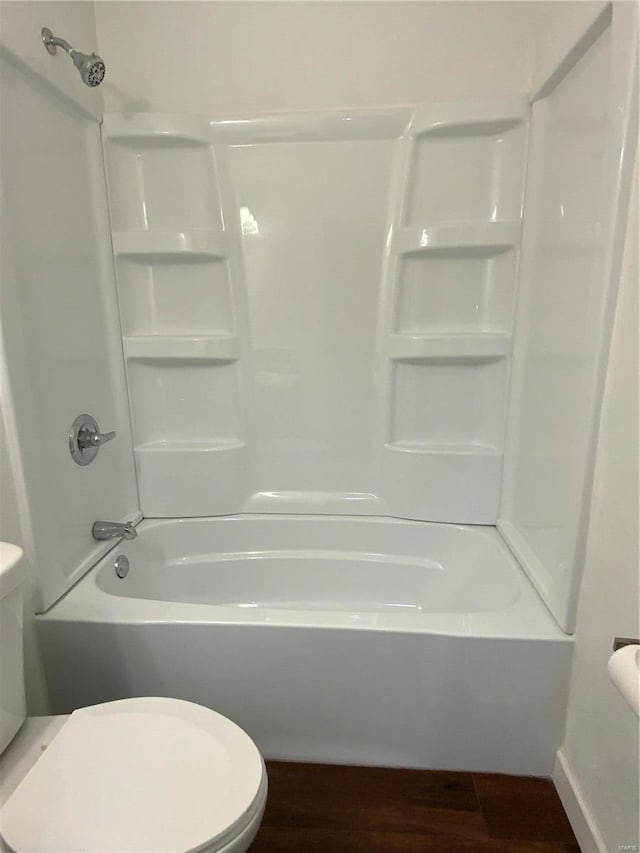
557 25
233 58
601 740
20 25
73 20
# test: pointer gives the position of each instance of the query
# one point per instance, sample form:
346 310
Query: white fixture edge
475 346
573 801
169 348
320 125
497 236
475 116
210 243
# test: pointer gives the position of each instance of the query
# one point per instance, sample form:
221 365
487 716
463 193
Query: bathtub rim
527 619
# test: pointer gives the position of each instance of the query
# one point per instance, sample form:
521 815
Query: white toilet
148 774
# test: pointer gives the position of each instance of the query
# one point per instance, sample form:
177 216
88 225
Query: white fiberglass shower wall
317 309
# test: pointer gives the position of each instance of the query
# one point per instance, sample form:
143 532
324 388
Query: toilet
147 774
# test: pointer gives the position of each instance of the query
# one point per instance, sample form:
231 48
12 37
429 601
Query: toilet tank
12 695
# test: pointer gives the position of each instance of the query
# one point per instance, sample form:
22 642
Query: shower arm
52 42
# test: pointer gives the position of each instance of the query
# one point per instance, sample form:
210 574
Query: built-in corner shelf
169 245
146 130
466 477
476 347
205 477
212 349
476 118
178 292
430 448
450 290
456 239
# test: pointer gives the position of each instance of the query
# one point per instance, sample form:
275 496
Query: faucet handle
85 439
88 438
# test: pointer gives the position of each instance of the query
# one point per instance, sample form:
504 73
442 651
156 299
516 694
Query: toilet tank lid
137 775
11 568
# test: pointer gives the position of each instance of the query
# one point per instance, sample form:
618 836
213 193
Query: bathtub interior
339 564
368 574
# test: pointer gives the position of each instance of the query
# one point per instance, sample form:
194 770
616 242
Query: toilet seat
150 774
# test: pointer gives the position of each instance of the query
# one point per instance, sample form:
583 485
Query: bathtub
330 639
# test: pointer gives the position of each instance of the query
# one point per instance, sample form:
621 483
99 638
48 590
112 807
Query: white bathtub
350 640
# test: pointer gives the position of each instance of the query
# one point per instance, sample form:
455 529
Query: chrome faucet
113 530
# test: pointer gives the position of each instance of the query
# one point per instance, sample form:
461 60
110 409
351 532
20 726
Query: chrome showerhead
91 67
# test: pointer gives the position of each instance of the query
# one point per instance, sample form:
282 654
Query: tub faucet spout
113 530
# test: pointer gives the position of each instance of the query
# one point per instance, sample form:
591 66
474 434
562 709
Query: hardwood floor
313 808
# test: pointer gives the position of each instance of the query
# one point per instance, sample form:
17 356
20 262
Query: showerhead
91 67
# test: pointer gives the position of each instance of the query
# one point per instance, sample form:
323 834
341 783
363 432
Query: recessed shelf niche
175 295
184 402
157 167
439 401
466 167
457 290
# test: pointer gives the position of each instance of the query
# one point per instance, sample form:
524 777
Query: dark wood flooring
321 808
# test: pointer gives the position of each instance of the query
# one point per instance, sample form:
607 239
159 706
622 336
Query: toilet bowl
148 774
